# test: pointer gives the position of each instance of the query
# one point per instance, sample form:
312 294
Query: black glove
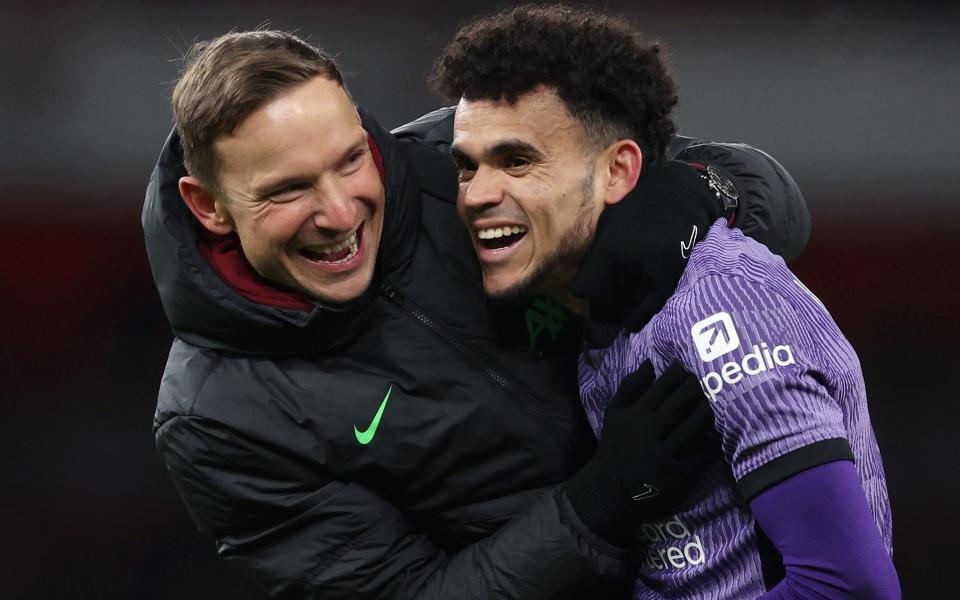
642 243
657 441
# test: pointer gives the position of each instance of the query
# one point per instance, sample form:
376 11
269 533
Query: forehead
539 118
309 121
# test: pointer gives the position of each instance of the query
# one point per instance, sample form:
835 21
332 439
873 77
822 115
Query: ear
624 161
206 207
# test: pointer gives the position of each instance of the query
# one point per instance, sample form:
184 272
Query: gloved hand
643 242
657 441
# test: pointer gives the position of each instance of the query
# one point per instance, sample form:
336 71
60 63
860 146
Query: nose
483 190
334 209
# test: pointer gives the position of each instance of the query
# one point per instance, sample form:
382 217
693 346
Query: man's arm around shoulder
302 535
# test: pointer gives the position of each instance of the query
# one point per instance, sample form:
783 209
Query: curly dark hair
613 83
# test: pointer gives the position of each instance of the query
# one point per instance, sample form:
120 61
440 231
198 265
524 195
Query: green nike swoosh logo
365 437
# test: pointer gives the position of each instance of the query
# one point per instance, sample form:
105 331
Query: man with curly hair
560 136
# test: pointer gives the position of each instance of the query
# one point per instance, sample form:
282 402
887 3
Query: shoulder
726 256
734 287
200 383
434 129
433 169
772 209
213 404
421 147
185 377
426 143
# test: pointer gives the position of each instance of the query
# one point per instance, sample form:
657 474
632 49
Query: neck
578 306
558 287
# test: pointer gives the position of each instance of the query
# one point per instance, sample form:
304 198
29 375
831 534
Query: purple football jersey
781 380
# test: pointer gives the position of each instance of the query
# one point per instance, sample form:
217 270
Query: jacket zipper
544 420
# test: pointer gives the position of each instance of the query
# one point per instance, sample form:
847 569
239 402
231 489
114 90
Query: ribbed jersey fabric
786 390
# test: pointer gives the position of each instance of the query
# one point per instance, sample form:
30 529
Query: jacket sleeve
434 129
771 208
302 536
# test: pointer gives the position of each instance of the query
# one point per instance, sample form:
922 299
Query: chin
518 291
342 291
494 286
347 293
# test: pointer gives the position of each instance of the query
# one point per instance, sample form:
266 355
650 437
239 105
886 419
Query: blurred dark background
857 100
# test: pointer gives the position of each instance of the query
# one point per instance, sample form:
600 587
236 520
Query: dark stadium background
857 99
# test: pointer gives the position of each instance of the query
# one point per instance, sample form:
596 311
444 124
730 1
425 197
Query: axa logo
715 336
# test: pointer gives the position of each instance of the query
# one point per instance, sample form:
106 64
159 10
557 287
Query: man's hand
643 242
657 440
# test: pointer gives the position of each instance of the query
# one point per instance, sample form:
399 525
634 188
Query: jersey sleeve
821 524
764 361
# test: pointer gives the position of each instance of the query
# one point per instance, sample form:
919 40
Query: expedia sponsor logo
716 336
670 545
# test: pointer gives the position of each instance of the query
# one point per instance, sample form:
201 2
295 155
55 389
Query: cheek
543 219
367 186
461 194
277 226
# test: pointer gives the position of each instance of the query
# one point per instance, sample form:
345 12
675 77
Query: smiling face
530 191
301 189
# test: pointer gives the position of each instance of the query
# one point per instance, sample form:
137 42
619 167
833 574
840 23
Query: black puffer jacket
262 411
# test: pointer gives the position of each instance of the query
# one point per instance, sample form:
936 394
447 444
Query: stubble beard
565 257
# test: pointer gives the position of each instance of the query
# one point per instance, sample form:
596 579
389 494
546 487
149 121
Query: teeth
496 232
353 252
350 242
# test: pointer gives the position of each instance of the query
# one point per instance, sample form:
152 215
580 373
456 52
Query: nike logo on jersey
686 246
366 436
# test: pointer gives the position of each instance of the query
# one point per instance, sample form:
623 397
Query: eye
354 160
466 168
289 193
516 163
465 174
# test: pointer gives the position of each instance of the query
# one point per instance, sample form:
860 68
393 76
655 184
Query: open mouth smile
496 238
336 254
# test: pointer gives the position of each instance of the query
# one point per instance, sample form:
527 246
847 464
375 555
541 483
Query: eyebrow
503 148
273 186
